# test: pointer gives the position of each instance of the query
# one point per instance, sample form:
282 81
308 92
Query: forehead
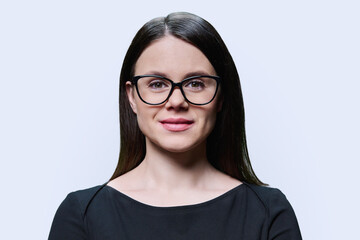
173 57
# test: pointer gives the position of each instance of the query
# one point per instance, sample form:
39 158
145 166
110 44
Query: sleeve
283 222
68 222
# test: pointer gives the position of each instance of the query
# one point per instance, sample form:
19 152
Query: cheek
211 121
145 117
209 118
141 119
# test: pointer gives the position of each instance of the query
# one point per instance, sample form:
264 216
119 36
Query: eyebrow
189 74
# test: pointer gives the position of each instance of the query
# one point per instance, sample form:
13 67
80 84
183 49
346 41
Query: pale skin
175 170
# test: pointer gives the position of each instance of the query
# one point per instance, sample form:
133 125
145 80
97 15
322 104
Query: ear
130 92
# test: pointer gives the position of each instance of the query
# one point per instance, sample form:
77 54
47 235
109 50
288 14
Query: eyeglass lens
155 90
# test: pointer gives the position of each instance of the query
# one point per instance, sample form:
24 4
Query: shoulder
281 218
68 222
83 198
268 196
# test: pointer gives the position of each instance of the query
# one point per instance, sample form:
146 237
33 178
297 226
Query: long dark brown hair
226 145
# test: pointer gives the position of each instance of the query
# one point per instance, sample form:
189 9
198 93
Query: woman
184 170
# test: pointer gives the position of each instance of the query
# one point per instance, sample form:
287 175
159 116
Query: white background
299 66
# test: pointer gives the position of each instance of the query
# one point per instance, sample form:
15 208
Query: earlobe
130 94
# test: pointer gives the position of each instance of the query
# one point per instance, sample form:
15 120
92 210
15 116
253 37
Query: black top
246 212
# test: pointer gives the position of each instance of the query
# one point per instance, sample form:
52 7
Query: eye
195 84
158 84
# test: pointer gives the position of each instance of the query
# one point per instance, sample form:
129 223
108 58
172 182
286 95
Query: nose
176 101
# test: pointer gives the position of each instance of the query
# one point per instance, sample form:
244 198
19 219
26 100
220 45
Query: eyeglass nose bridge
173 86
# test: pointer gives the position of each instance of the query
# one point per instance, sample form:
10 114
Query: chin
180 142
176 149
178 145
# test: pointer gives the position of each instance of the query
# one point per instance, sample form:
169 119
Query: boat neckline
186 206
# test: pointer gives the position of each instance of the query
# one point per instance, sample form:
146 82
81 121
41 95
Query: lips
176 124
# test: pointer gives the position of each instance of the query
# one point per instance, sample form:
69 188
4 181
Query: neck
166 170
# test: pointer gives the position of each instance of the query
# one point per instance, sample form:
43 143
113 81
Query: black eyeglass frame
179 85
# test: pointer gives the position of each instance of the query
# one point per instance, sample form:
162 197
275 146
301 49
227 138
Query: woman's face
176 125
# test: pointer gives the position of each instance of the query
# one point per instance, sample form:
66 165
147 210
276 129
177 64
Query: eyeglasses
197 90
